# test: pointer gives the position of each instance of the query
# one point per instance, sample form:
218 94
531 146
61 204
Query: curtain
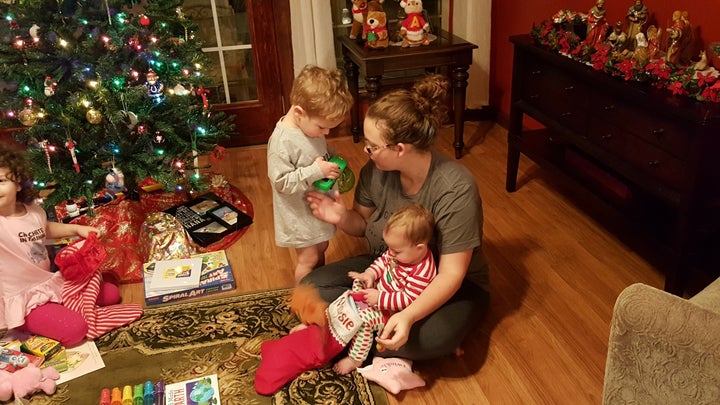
471 21
312 34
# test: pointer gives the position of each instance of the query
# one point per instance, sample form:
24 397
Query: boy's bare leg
309 258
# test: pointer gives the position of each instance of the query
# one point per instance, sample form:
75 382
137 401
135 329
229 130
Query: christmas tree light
106 87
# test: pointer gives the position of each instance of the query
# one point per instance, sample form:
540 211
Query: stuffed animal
359 13
414 29
324 332
26 381
375 31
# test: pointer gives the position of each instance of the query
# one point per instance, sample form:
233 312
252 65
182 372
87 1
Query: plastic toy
345 177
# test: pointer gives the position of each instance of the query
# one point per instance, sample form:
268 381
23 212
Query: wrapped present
162 237
120 224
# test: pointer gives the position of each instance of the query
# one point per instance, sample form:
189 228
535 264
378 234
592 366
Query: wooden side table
446 50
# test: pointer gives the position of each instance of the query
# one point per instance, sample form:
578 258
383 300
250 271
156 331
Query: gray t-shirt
292 170
449 192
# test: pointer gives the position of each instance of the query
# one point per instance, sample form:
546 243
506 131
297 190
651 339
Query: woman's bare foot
346 365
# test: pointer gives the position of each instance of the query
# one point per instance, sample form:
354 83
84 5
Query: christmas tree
104 89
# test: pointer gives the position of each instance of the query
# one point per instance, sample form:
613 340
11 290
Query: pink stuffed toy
26 381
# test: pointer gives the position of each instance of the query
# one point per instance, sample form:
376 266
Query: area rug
220 336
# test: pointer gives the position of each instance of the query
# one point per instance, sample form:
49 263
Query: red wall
511 17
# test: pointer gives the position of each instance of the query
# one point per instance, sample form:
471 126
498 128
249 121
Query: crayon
138 395
149 393
127 398
105 396
116 396
160 393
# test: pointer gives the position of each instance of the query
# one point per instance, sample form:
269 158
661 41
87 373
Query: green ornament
372 36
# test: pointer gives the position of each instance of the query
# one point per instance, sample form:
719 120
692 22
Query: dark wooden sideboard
663 145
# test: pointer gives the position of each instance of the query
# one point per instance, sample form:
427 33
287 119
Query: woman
400 129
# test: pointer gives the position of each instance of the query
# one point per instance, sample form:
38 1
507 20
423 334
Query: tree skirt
120 223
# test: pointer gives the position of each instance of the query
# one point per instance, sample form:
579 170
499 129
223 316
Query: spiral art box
209 218
215 276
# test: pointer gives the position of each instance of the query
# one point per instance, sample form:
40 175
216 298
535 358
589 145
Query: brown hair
20 173
417 223
412 116
321 93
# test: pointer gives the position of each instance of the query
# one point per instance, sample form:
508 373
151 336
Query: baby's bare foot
459 352
298 327
346 365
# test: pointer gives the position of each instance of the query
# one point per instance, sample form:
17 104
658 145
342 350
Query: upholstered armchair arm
663 349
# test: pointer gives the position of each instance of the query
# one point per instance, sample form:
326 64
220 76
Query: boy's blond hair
321 93
416 222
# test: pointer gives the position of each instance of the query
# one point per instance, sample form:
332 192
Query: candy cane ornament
46 147
71 146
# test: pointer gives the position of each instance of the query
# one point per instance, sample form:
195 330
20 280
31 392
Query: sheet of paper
82 359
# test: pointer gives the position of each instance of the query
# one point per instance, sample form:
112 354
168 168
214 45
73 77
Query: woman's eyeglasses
372 149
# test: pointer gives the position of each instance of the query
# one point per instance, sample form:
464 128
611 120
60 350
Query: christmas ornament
27 117
144 20
93 116
217 154
180 90
159 138
154 87
115 180
203 92
35 32
45 145
71 147
132 119
50 86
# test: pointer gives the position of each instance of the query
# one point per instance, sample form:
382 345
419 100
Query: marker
138 395
105 396
149 393
160 393
116 396
127 395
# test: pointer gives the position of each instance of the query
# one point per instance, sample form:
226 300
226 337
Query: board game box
209 218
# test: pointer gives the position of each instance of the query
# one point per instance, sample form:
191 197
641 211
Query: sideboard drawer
658 163
561 97
655 129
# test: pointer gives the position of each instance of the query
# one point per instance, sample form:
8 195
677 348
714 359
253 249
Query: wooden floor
555 275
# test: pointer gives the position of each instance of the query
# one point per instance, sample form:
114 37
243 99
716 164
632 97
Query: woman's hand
396 331
325 208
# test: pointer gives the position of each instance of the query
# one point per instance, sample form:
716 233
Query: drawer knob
606 137
654 163
536 72
609 107
569 88
566 114
658 132
534 97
